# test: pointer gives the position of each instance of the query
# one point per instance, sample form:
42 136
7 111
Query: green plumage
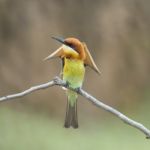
74 55
73 74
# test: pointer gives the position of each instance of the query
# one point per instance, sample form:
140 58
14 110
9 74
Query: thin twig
59 82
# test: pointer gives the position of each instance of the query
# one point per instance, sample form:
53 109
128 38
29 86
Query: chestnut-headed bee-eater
75 56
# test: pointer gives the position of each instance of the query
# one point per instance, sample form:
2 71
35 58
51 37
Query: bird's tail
71 111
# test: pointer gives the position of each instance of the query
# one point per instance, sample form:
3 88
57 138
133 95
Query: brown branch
59 82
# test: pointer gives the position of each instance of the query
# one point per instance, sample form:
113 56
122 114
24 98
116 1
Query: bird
75 57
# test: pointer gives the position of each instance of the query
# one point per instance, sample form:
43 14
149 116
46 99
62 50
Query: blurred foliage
118 36
21 131
117 33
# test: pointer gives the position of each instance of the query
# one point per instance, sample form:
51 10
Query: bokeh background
118 35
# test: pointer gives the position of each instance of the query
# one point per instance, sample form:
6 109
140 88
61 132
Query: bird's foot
78 89
67 84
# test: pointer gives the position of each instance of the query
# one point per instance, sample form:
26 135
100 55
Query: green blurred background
118 35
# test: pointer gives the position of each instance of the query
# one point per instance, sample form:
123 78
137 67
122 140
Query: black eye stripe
71 46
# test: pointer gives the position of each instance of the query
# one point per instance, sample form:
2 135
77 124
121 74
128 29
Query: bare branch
28 91
115 112
59 82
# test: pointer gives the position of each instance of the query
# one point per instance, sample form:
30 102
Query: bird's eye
71 45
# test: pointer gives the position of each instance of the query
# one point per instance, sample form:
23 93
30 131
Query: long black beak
59 39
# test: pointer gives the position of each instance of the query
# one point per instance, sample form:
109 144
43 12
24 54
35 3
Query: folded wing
89 60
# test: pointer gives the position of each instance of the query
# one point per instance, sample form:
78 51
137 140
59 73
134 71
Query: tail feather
71 118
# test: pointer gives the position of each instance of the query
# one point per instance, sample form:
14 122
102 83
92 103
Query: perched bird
75 56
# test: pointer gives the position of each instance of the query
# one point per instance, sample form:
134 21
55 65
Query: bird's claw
67 84
78 89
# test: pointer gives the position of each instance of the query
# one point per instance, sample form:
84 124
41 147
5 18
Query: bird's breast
73 72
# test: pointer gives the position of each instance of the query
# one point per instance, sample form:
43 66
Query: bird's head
74 49
71 47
